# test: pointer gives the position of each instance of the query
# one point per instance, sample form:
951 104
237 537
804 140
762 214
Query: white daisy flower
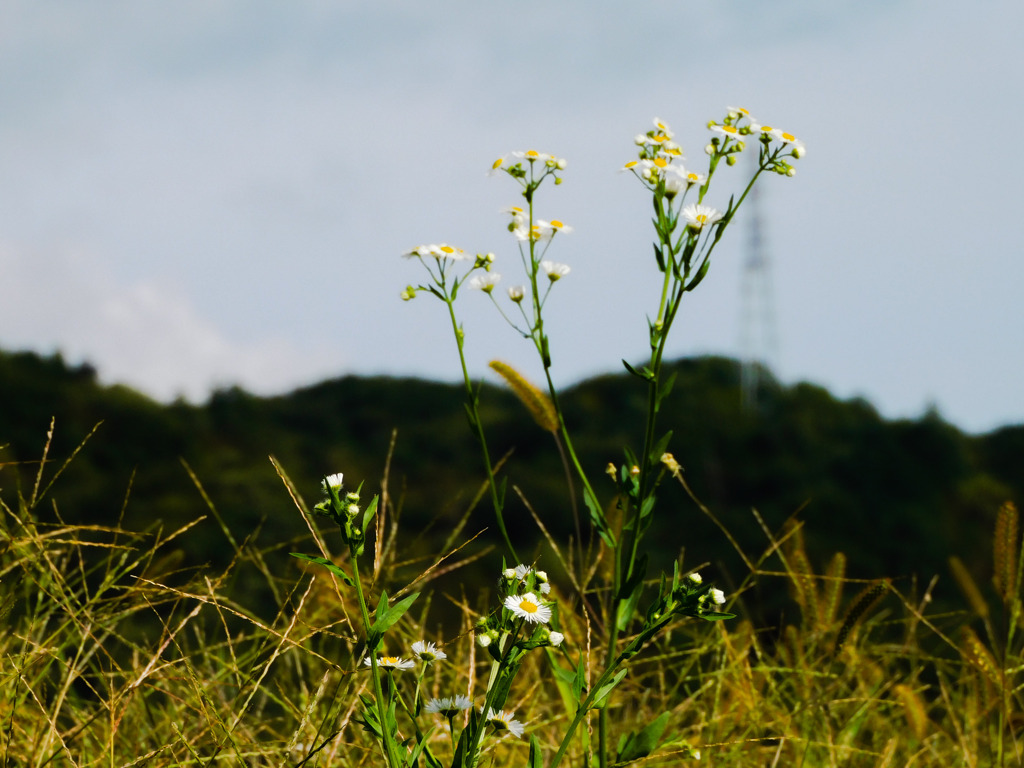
502 722
529 607
799 150
518 214
662 128
428 652
554 225
729 131
532 155
390 662
738 112
438 251
554 270
332 481
485 282
700 216
521 571
448 707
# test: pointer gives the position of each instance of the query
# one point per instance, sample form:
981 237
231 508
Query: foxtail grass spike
1004 551
968 586
863 603
913 708
978 655
537 403
832 590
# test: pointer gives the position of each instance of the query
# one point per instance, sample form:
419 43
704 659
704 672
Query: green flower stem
471 400
496 667
390 748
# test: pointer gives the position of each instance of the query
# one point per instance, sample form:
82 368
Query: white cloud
143 334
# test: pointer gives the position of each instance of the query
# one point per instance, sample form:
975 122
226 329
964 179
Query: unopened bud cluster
345 511
523 592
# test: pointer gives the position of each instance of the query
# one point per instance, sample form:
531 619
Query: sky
215 192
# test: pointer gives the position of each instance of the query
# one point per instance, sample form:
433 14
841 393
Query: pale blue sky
217 191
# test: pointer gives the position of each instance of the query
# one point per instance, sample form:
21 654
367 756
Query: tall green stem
390 748
471 402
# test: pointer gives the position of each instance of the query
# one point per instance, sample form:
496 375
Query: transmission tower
758 340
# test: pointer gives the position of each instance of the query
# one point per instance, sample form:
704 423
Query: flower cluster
524 608
776 144
344 510
660 162
691 597
536 162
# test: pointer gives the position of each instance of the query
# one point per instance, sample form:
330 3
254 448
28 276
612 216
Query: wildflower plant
631 609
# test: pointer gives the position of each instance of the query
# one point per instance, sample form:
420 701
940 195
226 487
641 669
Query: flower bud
709 149
730 160
799 152
556 638
483 640
791 172
695 578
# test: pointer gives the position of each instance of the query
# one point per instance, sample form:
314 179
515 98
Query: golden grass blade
1004 551
537 403
968 586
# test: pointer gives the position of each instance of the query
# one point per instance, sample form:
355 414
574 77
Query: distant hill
898 497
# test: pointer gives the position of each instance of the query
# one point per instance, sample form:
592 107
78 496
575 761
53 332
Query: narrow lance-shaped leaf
337 571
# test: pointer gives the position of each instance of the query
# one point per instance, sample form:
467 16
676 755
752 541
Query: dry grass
107 658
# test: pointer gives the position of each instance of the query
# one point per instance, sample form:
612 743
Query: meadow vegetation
616 636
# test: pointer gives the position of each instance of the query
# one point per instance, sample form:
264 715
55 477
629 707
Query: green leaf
631 589
641 744
370 512
390 615
665 389
646 375
659 448
598 519
715 616
579 680
534 760
604 690
699 276
326 564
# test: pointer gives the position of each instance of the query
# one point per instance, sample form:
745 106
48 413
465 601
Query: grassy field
111 657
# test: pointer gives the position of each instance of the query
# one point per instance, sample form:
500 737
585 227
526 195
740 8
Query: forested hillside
898 497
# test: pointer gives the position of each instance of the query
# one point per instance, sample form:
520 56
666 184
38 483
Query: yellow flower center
446 249
497 162
661 162
533 154
766 129
702 219
788 136
388 661
630 164
557 224
729 129
528 607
